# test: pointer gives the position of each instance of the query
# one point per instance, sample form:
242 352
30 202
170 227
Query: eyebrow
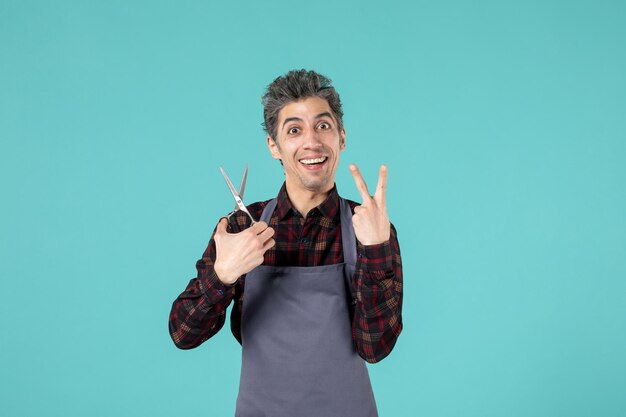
297 119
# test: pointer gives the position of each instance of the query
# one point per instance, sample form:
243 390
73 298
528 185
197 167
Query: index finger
360 183
258 227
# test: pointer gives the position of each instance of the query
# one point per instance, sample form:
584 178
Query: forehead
304 109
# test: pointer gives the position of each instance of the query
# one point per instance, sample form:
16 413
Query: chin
316 185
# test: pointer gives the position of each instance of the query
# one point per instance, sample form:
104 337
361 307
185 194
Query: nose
312 139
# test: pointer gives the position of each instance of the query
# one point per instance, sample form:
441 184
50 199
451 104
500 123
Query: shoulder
352 204
256 209
240 220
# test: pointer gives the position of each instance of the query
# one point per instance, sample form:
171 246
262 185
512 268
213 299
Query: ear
342 140
273 147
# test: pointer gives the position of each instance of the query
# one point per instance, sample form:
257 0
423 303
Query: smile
314 161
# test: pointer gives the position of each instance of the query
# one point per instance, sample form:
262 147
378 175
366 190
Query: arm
377 320
378 277
199 312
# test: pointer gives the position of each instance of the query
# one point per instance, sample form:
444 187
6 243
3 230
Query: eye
293 131
324 126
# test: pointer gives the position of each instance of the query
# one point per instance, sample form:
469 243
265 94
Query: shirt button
304 240
220 292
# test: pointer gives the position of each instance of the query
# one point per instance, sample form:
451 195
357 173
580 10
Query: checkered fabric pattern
200 311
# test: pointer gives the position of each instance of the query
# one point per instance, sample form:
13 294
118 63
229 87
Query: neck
304 200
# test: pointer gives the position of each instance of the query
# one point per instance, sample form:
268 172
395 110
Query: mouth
313 163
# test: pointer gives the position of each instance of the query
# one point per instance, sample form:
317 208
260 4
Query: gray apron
298 357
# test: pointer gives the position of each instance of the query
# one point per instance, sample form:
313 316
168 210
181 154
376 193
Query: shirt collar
328 208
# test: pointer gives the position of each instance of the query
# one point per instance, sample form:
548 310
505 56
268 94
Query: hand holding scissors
239 253
370 219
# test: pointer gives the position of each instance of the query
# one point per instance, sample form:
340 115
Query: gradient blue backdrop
503 127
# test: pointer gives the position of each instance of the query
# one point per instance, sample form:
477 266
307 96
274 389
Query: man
316 283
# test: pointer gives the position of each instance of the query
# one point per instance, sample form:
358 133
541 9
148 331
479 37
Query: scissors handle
232 213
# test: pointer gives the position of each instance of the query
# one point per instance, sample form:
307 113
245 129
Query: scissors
238 195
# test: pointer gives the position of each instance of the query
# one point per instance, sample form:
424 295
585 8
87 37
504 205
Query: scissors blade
242 187
236 195
233 191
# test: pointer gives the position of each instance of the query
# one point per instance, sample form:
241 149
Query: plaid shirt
200 311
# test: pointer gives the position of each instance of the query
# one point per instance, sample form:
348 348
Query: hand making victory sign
370 220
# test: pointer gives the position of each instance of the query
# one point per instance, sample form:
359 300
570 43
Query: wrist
223 274
376 257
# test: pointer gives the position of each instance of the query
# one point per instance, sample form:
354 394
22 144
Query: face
308 143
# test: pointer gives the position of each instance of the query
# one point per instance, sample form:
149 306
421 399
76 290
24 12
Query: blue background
503 127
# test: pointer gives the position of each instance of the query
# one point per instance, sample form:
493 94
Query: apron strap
348 237
266 216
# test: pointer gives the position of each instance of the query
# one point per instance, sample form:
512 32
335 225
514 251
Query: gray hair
293 86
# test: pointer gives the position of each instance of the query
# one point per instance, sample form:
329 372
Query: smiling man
316 284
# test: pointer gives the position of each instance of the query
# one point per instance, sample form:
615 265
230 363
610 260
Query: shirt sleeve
199 312
377 291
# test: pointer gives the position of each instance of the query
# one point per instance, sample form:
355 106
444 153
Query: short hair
293 86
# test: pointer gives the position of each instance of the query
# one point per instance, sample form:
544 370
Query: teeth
313 161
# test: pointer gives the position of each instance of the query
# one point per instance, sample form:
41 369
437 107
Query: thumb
221 226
